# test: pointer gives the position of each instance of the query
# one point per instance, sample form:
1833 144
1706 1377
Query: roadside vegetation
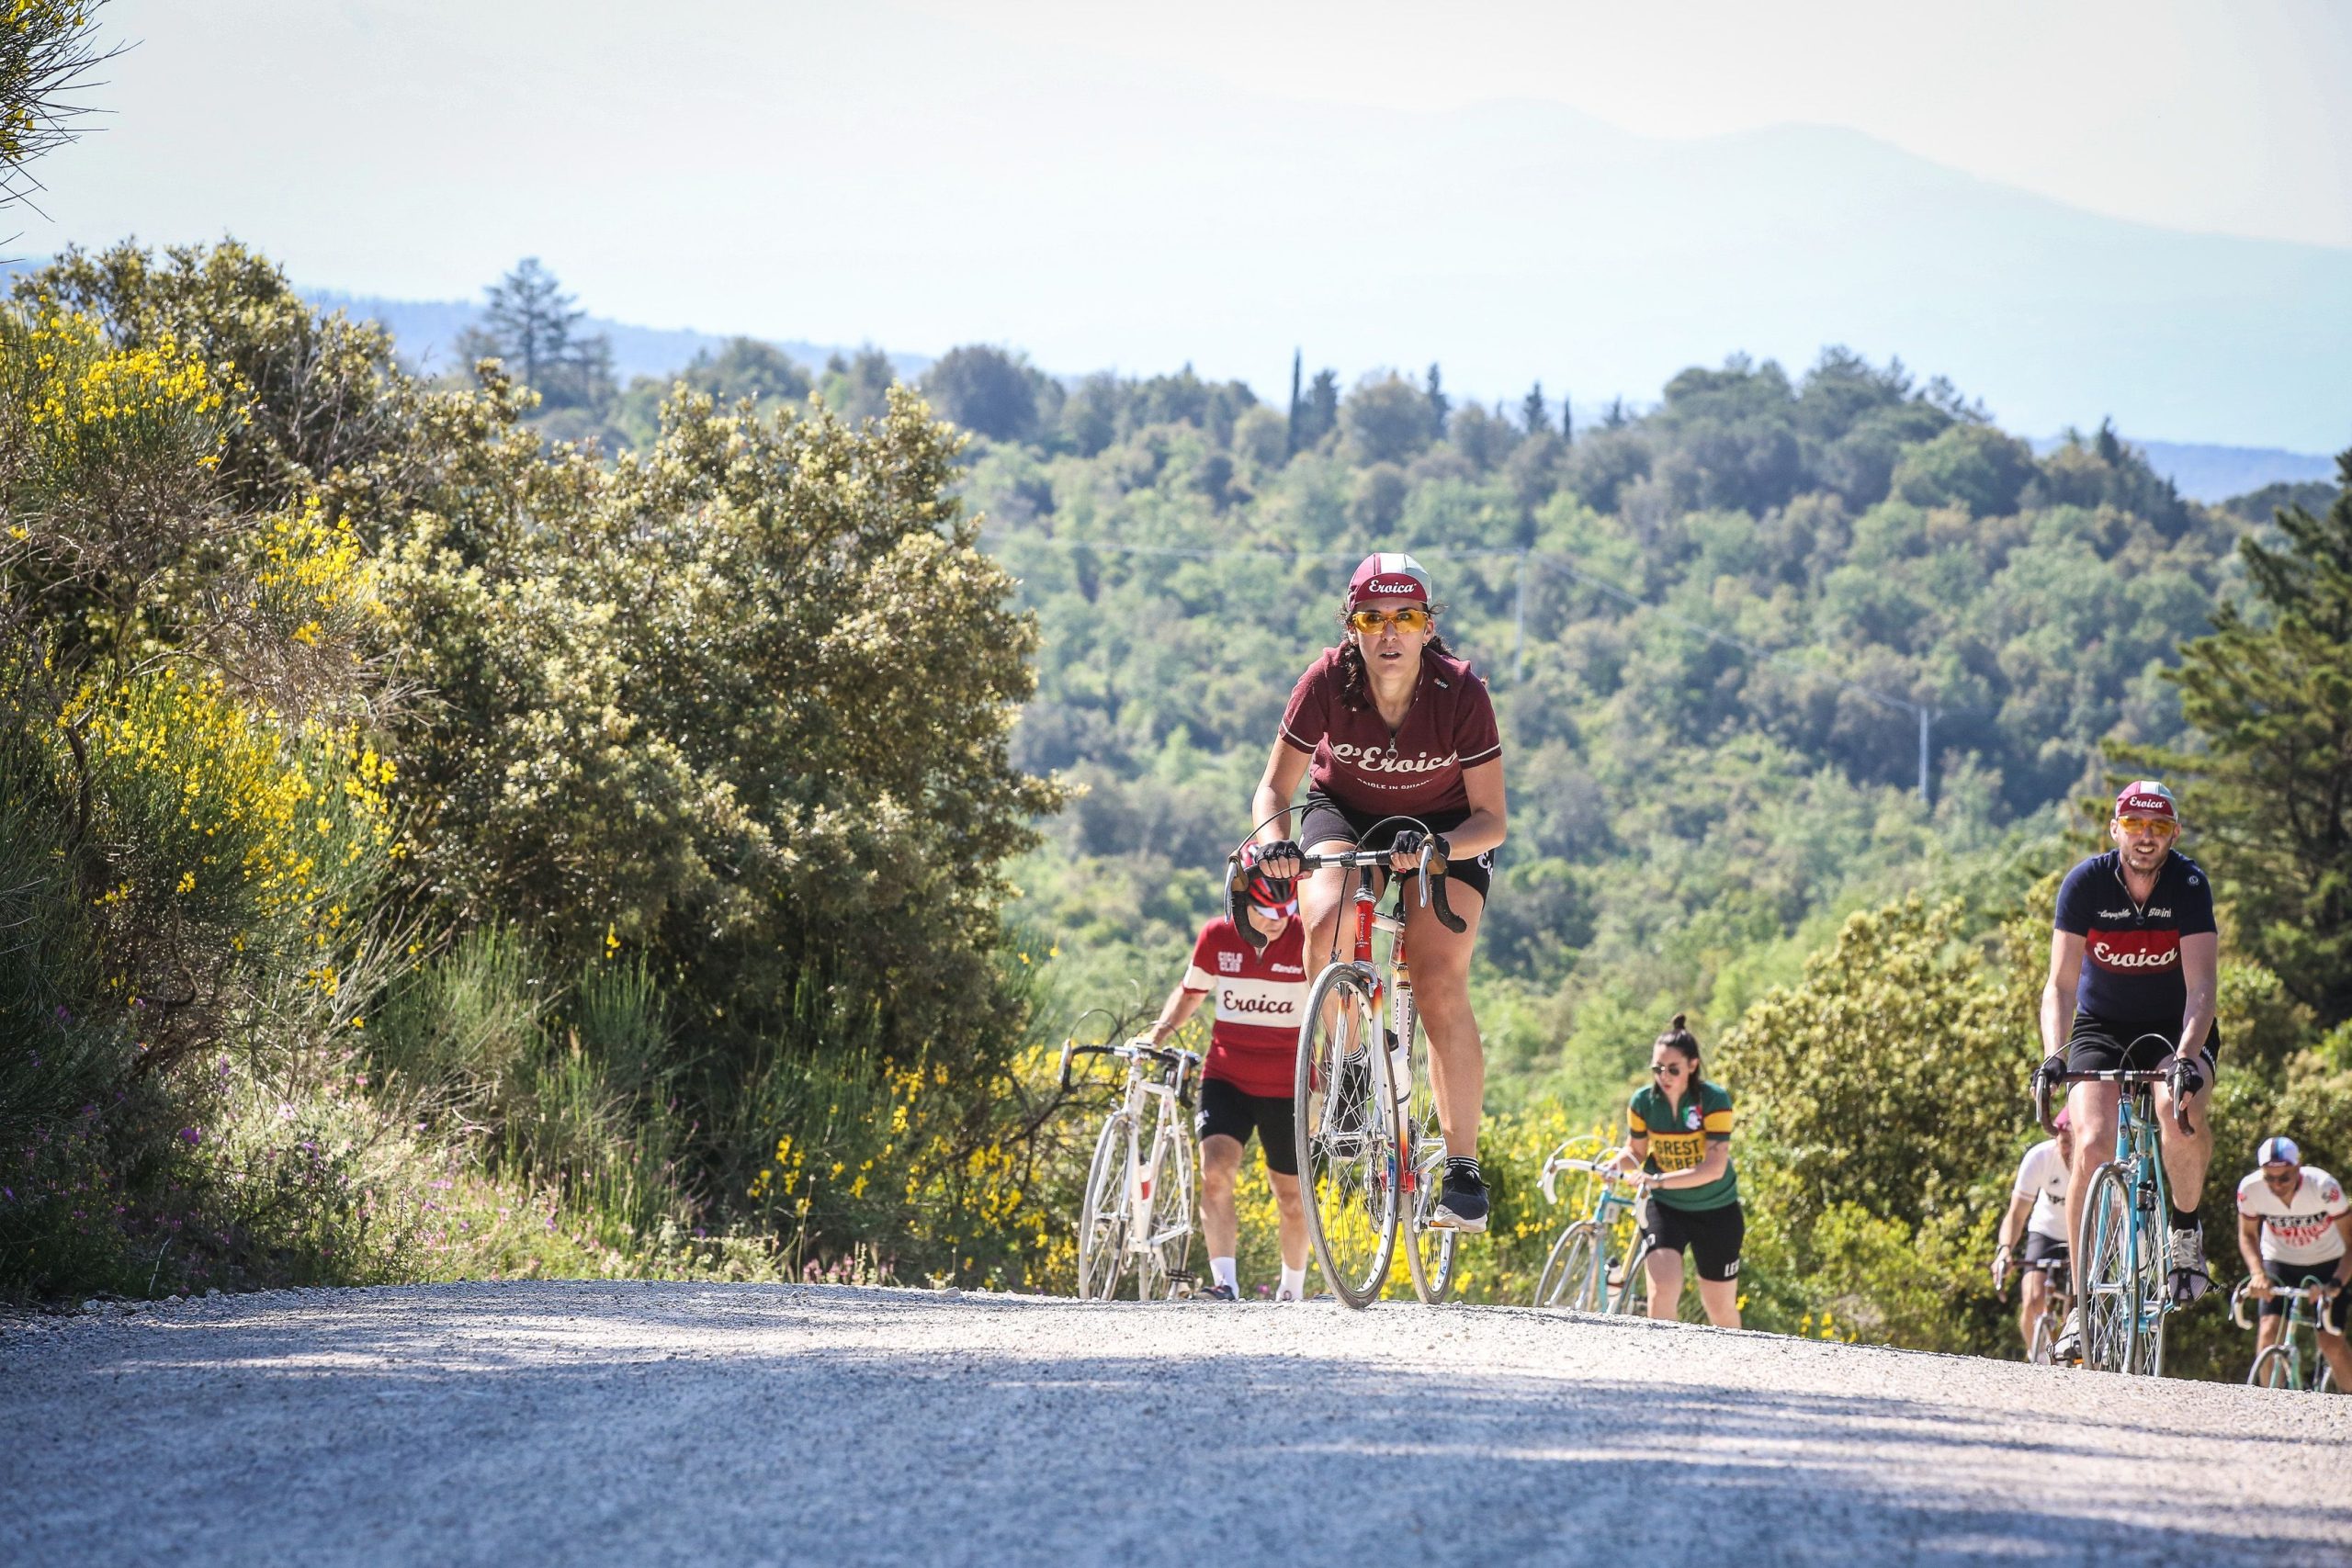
515 824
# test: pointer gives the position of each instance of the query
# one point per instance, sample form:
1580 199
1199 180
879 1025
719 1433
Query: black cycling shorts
2291 1275
1226 1110
1714 1236
1327 821
2039 1248
2099 1044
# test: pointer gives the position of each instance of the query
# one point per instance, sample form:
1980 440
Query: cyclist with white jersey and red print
2134 954
2038 1209
2295 1228
1398 741
1260 991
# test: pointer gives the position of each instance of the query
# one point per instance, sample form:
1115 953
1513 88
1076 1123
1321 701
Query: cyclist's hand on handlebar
2001 1269
2258 1286
1279 859
1404 851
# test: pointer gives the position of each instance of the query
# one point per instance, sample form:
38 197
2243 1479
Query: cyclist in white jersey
2295 1228
2037 1205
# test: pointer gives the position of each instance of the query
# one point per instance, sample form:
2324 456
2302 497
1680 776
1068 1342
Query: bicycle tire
2045 1335
1346 1138
1633 1290
1429 1252
1169 1257
2275 1368
1102 1218
2108 1282
1571 1279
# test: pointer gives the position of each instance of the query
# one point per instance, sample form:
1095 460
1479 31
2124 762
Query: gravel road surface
617 1423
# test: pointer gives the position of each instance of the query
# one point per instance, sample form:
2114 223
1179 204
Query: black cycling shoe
1462 1202
1217 1293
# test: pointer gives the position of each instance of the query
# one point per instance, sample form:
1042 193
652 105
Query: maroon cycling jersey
1414 772
1260 1000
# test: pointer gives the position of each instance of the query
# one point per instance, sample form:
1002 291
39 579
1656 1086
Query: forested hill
1687 814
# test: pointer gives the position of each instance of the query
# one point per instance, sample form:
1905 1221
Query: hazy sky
1137 187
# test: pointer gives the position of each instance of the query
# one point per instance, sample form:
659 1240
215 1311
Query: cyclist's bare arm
2200 957
2258 1278
2012 1222
1637 1150
1285 765
1484 828
2058 994
1174 1013
1716 1161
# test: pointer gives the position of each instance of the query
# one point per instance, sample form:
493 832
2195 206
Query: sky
2075 210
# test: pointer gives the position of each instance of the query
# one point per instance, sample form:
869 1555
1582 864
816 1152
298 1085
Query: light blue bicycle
2119 1261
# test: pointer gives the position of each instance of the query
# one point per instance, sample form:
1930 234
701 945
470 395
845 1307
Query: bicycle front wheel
2109 1247
2273 1369
1103 1218
1429 1251
1571 1276
1172 1209
1346 1138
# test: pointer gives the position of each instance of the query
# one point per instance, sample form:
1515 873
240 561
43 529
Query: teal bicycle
2289 1363
1596 1265
2120 1256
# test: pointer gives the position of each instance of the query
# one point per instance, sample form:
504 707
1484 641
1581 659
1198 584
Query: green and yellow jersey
1679 1136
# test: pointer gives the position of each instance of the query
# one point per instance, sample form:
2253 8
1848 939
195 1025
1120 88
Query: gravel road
617 1423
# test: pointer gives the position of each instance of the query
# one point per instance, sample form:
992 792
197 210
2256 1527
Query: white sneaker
2185 1253
2068 1346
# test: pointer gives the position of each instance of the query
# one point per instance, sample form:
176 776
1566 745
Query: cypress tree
1440 404
2270 694
1297 361
1532 410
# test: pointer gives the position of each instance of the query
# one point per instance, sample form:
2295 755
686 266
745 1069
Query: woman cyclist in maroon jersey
1389 723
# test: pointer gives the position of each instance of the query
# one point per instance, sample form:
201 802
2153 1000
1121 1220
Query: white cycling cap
2279 1151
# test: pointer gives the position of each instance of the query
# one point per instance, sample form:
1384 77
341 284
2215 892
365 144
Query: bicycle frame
1167 1088
2137 1163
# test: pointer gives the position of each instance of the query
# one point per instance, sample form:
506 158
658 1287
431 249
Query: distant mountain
2215 474
427 330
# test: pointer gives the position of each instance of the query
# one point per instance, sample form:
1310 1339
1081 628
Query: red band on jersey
2132 952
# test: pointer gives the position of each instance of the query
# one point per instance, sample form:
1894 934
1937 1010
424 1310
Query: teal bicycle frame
1576 1271
2120 1265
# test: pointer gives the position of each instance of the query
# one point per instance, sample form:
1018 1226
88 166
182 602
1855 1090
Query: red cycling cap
2145 797
1387 575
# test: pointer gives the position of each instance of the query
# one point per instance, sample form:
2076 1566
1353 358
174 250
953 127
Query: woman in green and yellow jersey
1678 1131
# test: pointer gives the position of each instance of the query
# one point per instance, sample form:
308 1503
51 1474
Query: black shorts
2291 1275
1327 821
1226 1110
1713 1236
2040 1249
2099 1044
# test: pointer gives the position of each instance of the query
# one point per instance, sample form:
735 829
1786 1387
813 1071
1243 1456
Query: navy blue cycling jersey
2132 951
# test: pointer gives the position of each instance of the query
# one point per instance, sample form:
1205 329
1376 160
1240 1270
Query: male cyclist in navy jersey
2132 953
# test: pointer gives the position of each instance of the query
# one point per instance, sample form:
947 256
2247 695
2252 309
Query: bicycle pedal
1183 1277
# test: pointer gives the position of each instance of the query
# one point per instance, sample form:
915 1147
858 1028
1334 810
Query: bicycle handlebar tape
1444 911
1237 906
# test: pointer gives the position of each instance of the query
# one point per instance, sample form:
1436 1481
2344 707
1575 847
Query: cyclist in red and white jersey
2295 1228
2037 1213
1386 725
1260 991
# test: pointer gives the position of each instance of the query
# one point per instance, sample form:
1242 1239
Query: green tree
859 387
1440 406
1973 465
1534 414
985 391
2270 692
1319 414
1386 419
529 322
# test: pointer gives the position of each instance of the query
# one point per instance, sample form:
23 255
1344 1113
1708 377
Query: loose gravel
624 1423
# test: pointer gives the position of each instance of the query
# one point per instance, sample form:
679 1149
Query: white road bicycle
1372 1153
1136 1221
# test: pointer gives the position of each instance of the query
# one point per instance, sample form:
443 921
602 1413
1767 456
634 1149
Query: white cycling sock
1221 1269
1294 1286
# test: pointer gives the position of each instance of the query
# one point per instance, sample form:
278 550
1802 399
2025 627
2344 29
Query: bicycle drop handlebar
1431 870
2315 1295
1186 1063
2044 1081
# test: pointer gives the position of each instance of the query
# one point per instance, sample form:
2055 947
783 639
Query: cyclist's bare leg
1220 1165
1323 897
1721 1298
2338 1354
2033 1294
1665 1270
2265 1332
2091 1108
2185 1154
1441 991
1290 1211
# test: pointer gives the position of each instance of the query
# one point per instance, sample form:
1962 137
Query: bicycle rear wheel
1429 1252
2110 1274
1103 1218
2273 1369
1347 1139
2045 1335
1571 1277
1632 1296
